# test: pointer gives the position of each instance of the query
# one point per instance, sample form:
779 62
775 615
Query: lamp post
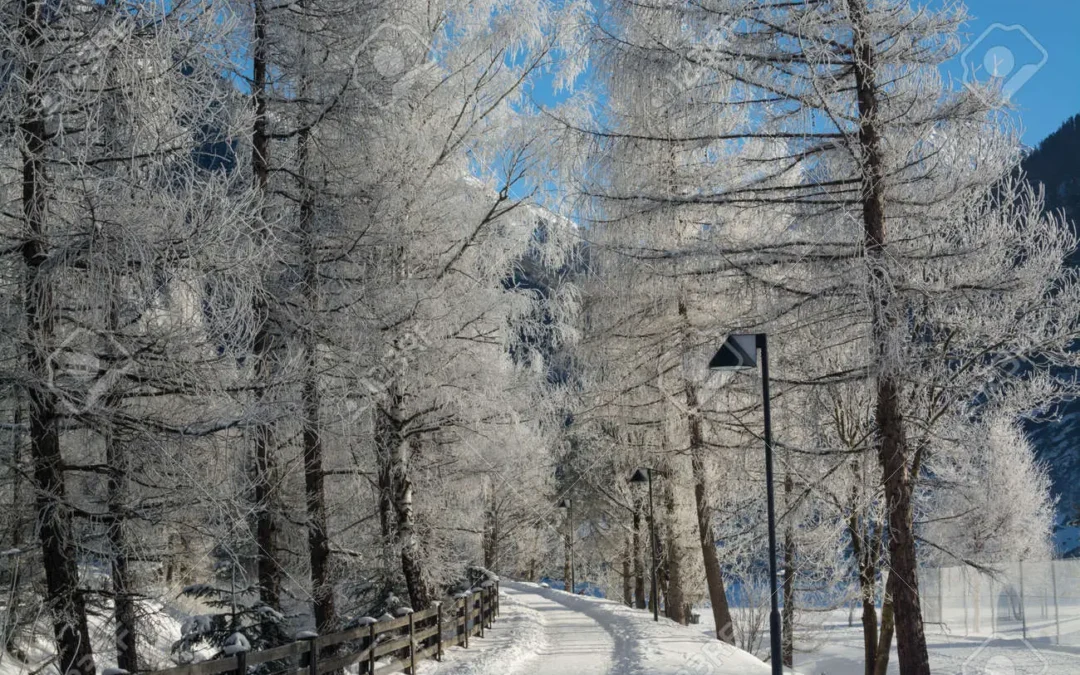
644 475
739 352
568 504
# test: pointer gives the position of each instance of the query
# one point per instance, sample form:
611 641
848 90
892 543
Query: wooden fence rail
391 646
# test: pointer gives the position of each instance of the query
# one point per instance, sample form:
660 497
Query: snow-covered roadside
160 626
517 637
836 648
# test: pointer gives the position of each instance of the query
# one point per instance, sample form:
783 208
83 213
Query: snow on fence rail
390 646
1035 601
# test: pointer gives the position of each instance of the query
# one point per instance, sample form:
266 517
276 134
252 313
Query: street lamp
739 352
641 476
568 504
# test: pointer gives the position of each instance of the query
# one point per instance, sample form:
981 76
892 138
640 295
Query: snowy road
548 632
573 642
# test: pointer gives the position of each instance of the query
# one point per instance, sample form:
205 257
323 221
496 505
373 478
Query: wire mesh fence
1034 601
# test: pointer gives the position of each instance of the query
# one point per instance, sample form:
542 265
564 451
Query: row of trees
290 326
262 340
802 169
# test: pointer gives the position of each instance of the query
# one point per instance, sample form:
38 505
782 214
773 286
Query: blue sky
1051 95
1020 34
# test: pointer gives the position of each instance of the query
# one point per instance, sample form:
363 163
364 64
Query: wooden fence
390 646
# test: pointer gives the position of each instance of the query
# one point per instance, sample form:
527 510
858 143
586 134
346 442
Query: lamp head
640 476
564 504
739 352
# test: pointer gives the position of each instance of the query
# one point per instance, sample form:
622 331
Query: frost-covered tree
867 208
119 222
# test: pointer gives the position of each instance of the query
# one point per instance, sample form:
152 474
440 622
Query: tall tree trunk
865 555
884 645
714 577
674 598
788 614
639 572
322 588
892 446
116 453
567 571
118 494
491 532
387 439
63 598
411 565
124 614
269 568
11 612
627 593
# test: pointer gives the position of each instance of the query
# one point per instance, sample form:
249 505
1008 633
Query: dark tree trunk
411 565
64 600
892 446
865 555
116 453
674 597
269 568
639 572
491 532
11 612
788 615
884 645
567 571
627 592
322 588
123 597
714 577
393 452
787 641
387 438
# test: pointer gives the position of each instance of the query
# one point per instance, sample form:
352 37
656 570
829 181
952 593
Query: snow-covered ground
549 632
161 626
835 648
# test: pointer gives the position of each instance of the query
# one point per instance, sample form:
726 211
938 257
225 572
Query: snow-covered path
544 631
573 642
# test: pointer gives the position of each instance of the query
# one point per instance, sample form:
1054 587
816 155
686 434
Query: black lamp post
644 475
739 352
568 504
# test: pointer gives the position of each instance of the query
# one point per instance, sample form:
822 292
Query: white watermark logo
998 655
84 368
393 58
1003 59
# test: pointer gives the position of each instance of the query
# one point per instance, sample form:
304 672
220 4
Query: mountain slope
1055 164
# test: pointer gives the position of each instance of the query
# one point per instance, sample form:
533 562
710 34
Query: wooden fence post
438 636
371 654
312 657
482 619
241 662
498 602
412 645
466 604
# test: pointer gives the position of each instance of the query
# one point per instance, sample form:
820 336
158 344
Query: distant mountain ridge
1055 163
